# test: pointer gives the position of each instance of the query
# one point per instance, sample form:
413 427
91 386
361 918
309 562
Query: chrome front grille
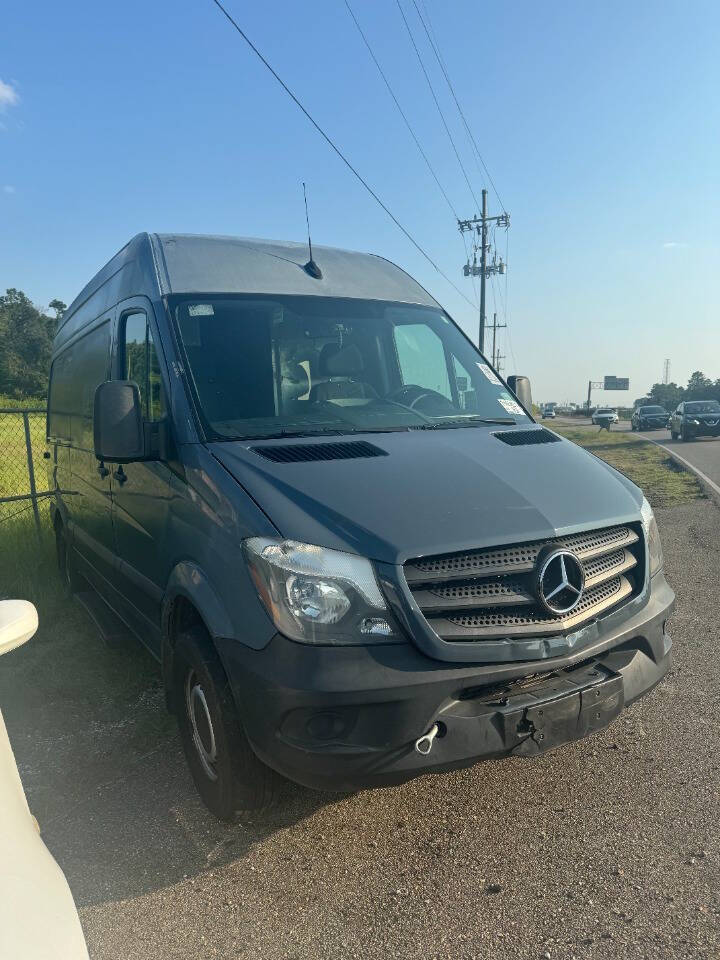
491 593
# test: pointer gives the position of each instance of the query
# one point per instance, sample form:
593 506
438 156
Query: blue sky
600 124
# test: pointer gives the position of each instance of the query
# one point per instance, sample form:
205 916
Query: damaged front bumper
349 718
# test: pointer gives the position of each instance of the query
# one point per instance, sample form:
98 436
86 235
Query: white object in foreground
38 919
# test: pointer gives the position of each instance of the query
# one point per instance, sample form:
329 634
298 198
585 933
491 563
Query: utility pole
495 352
666 372
479 225
483 270
593 383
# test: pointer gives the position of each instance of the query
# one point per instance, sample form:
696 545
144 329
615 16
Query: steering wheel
423 399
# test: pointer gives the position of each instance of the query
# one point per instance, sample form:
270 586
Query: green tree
59 307
699 387
26 337
667 395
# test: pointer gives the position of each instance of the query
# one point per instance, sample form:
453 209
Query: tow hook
424 744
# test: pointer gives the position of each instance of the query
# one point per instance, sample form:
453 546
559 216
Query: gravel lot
606 848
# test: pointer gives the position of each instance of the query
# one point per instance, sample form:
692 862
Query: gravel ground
607 848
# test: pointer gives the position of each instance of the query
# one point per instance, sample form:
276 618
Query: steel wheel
203 733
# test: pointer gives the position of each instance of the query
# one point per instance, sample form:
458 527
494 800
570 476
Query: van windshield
265 366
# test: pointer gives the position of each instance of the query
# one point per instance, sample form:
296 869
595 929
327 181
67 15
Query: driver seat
340 369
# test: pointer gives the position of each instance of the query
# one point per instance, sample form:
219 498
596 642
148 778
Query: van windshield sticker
201 310
510 405
485 369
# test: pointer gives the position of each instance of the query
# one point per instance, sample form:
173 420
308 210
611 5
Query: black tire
227 774
71 579
684 436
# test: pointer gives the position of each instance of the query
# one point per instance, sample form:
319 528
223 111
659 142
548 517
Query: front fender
188 580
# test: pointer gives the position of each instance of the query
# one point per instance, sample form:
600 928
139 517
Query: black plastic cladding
523 438
304 452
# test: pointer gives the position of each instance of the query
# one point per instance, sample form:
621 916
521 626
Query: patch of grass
663 480
28 567
30 403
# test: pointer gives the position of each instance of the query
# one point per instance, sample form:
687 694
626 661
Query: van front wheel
227 774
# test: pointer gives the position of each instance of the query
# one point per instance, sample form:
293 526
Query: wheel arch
190 601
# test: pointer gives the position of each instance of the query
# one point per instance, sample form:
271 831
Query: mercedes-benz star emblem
560 582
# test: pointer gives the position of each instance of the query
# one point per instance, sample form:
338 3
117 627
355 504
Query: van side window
421 356
74 377
140 363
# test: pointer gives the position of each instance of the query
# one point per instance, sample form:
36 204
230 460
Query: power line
400 110
441 63
437 103
338 151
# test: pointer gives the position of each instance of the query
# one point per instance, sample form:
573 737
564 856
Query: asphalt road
703 453
607 848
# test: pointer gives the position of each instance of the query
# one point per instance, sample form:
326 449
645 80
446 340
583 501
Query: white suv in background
603 414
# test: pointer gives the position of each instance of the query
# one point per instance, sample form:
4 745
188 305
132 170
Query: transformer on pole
479 225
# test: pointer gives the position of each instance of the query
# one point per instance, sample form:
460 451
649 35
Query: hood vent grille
523 438
305 452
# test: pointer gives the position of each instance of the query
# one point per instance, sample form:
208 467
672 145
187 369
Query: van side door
86 496
142 492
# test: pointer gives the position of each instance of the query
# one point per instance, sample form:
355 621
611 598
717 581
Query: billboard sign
616 383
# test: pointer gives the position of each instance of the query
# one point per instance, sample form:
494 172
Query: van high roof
155 265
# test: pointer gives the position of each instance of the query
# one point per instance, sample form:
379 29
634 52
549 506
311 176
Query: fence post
31 471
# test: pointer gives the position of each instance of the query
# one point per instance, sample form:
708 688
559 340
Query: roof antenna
310 267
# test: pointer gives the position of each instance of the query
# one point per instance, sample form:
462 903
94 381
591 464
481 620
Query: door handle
103 470
120 475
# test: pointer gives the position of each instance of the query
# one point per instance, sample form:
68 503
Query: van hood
435 491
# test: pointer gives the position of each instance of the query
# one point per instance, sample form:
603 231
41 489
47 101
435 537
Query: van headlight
316 595
652 535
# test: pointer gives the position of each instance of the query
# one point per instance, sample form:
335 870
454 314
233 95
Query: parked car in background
38 919
649 418
549 413
604 414
696 418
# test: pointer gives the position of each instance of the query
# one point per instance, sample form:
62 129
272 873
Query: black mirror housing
520 386
118 429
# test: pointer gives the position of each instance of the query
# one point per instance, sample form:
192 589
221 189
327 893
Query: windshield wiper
464 422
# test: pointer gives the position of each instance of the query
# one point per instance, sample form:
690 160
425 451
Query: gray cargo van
354 552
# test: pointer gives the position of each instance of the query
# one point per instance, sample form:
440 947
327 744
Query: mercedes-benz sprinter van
356 555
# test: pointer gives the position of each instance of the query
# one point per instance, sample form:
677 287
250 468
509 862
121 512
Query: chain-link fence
23 469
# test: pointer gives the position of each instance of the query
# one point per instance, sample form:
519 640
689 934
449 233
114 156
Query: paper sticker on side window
511 406
485 369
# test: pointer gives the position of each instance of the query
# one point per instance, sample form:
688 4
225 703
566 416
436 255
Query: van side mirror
520 386
118 430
